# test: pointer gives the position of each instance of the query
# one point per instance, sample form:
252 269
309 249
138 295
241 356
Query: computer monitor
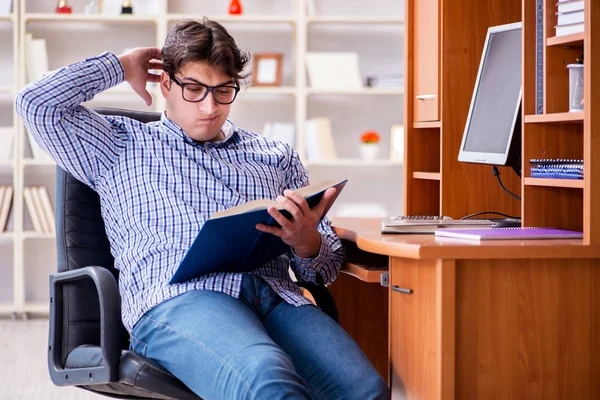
492 133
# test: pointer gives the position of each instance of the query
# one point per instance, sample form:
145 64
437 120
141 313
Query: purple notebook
507 233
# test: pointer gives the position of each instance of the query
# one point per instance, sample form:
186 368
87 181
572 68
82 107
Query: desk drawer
413 340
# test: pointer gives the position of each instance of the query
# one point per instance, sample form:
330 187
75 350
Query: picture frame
266 69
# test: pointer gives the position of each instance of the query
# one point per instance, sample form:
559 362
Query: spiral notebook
507 233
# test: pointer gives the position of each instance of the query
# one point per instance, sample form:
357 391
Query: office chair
88 344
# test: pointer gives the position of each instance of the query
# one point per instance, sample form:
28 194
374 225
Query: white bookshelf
62 18
376 20
353 162
271 26
267 19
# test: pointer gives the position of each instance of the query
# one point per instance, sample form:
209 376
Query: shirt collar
172 128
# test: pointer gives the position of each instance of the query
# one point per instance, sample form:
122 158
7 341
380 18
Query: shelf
431 176
6 163
38 235
570 117
235 18
354 20
427 124
6 89
575 39
395 91
119 19
548 182
6 236
364 273
353 162
36 308
7 17
269 90
32 161
7 308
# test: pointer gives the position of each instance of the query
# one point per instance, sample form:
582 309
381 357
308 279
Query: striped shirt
157 186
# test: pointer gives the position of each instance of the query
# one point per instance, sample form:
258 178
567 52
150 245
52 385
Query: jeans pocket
137 345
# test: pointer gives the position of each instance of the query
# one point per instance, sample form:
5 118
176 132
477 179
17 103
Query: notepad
507 233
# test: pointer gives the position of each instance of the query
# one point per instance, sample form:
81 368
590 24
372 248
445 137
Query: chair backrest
81 241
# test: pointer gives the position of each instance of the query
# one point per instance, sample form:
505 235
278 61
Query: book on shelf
280 131
37 203
333 71
6 142
397 143
569 29
556 168
36 218
36 57
46 207
568 18
569 5
507 233
6 200
319 140
229 241
6 7
428 224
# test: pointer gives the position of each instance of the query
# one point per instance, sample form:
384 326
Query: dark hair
208 41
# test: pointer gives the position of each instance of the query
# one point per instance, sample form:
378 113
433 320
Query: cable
497 175
487 212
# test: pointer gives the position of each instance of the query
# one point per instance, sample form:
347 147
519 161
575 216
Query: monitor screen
494 116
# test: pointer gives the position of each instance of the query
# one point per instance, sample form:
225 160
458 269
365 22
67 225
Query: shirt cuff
310 266
111 69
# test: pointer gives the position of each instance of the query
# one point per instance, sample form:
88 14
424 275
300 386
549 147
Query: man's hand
301 231
137 64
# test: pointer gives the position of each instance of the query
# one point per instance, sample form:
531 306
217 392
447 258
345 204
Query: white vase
369 151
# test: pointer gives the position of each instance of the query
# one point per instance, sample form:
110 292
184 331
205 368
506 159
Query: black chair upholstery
88 344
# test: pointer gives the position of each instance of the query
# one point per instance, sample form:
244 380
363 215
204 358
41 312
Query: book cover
507 233
6 197
35 219
229 241
46 207
570 5
37 203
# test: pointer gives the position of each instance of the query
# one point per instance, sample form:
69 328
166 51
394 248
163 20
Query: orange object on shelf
235 7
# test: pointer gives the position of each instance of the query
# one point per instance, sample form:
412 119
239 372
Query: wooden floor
23 365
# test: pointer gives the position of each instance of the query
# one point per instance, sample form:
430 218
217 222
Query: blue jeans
257 347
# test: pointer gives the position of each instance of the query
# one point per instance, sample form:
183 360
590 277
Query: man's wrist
311 248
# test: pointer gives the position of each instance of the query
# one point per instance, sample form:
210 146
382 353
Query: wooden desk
497 320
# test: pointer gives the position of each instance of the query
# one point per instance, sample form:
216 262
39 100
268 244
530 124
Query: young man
225 335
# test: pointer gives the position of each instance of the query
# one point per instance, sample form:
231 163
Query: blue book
229 241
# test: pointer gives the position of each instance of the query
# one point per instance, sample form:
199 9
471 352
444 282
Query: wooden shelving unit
432 176
426 124
437 100
575 39
575 117
563 183
559 133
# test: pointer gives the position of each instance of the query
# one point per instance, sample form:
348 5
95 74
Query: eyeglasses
195 92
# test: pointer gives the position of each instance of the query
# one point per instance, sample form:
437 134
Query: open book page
262 204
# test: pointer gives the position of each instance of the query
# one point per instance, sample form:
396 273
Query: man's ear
165 84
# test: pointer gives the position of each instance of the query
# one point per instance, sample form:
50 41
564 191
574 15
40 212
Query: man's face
202 121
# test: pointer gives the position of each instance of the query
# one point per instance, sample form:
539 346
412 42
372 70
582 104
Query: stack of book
556 168
6 197
569 18
39 208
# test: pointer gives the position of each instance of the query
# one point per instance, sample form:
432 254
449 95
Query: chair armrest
323 298
110 322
